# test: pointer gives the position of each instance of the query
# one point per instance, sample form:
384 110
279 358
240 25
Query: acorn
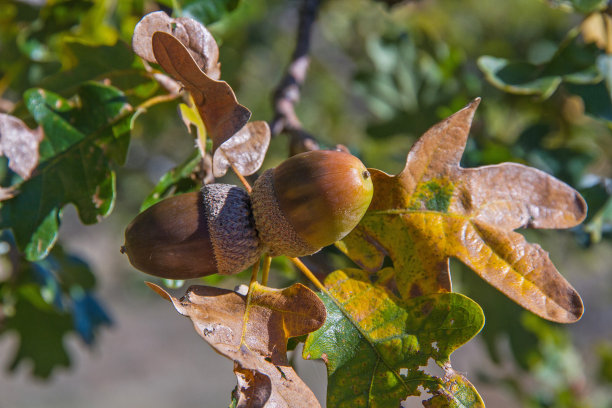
195 234
309 201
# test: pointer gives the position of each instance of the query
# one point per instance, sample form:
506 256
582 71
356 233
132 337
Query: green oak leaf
81 137
374 344
207 12
41 329
177 180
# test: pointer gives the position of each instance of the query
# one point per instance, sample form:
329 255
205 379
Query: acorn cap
309 201
195 234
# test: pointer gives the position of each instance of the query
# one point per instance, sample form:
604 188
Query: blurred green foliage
379 77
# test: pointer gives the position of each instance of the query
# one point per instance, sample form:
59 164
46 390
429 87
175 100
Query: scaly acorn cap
195 234
309 201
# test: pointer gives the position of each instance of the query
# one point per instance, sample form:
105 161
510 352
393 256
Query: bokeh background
380 76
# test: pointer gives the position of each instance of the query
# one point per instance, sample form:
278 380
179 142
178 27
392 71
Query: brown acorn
309 201
195 234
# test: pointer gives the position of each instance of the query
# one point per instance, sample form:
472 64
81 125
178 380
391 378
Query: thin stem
254 274
244 181
156 100
266 269
304 269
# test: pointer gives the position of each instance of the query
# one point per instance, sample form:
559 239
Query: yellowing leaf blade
374 343
434 209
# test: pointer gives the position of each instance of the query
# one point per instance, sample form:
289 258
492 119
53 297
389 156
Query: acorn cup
195 234
309 201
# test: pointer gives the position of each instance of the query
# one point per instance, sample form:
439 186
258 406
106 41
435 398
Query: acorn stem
266 269
254 273
244 181
304 269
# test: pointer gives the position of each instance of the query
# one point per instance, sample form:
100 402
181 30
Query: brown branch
287 94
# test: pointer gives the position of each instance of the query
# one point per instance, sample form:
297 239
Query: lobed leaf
79 140
434 209
374 343
253 331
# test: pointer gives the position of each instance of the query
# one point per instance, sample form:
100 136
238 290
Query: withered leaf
19 144
194 36
435 209
253 331
216 102
246 150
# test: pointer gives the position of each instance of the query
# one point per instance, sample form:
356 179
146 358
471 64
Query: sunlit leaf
375 344
216 102
597 29
434 209
253 331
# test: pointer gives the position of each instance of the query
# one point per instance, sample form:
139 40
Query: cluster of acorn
309 201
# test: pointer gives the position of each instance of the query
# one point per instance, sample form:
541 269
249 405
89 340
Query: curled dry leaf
215 100
434 209
19 144
194 36
246 150
253 331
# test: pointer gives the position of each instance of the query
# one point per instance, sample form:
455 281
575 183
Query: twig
287 94
304 269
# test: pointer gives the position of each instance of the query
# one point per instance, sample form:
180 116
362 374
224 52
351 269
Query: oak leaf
435 209
374 343
253 331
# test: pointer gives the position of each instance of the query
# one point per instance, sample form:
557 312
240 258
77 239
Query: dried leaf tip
157 289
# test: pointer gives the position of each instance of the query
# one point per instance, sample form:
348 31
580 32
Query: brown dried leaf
246 150
19 144
216 102
253 331
434 209
194 36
